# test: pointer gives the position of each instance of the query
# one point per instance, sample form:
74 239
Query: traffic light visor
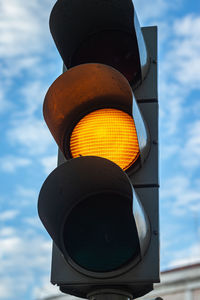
91 111
108 133
109 34
80 91
101 226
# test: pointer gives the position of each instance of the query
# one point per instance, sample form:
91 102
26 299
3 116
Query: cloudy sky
29 63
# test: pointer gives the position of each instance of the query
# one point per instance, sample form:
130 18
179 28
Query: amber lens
107 133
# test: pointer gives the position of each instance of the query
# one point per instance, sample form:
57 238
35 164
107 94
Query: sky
29 63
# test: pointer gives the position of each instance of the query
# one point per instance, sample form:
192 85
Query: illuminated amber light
108 133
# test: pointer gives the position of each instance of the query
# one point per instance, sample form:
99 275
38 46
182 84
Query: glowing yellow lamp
108 133
99 102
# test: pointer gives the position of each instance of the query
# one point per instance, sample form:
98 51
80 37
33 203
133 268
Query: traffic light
101 31
100 205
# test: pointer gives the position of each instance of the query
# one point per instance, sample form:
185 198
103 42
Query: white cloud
182 193
172 112
5 292
24 197
26 258
172 97
14 68
31 135
25 39
179 75
8 215
33 93
8 245
25 192
188 26
10 163
169 150
190 154
153 9
33 222
24 27
183 58
49 163
7 231
25 42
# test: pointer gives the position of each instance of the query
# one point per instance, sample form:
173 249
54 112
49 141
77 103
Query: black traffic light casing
103 220
103 31
138 279
78 214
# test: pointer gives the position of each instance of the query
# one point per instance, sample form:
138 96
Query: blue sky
29 63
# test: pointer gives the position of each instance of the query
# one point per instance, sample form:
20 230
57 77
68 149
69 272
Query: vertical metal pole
109 294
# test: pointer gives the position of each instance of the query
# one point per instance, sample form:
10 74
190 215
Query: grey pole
109 294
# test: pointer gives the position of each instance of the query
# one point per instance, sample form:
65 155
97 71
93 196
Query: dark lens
100 233
114 48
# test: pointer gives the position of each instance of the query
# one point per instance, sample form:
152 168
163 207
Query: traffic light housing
103 220
78 214
95 113
105 32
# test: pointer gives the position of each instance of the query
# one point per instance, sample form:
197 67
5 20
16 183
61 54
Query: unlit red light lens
107 133
114 48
